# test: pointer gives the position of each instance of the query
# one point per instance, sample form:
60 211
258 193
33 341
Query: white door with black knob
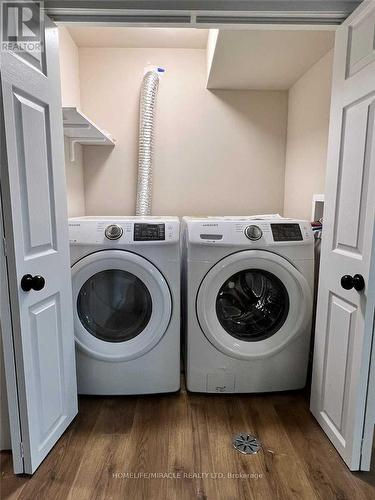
36 231
345 312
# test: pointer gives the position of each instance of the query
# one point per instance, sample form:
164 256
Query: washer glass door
252 303
123 305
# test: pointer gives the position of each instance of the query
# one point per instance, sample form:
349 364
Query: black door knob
357 282
29 282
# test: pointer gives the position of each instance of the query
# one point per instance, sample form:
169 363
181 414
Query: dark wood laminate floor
188 437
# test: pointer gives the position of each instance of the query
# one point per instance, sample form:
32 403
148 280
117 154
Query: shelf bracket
79 128
73 141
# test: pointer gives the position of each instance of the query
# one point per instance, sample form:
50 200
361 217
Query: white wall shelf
79 129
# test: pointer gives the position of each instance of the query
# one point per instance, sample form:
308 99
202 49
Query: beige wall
70 96
217 152
75 180
307 138
69 69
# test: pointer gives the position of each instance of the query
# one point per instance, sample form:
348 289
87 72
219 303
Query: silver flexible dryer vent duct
149 91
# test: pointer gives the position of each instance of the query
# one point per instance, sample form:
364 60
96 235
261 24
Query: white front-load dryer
247 294
126 299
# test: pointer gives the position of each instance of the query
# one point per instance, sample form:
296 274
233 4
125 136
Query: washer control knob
113 232
253 232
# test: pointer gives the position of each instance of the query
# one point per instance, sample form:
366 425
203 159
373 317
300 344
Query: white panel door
36 231
344 314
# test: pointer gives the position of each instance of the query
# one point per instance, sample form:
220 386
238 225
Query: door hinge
4 246
21 450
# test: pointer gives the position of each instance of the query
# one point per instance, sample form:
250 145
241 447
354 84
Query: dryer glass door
114 305
123 305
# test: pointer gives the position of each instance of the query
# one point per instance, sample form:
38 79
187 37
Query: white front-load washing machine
247 294
126 299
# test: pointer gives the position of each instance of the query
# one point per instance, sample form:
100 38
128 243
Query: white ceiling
265 59
174 38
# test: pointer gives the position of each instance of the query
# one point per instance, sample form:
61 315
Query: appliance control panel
132 231
113 232
286 232
249 232
149 232
253 232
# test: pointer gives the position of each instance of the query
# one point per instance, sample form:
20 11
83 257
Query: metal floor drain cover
246 443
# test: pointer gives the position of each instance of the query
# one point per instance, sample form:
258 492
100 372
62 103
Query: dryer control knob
113 232
253 232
